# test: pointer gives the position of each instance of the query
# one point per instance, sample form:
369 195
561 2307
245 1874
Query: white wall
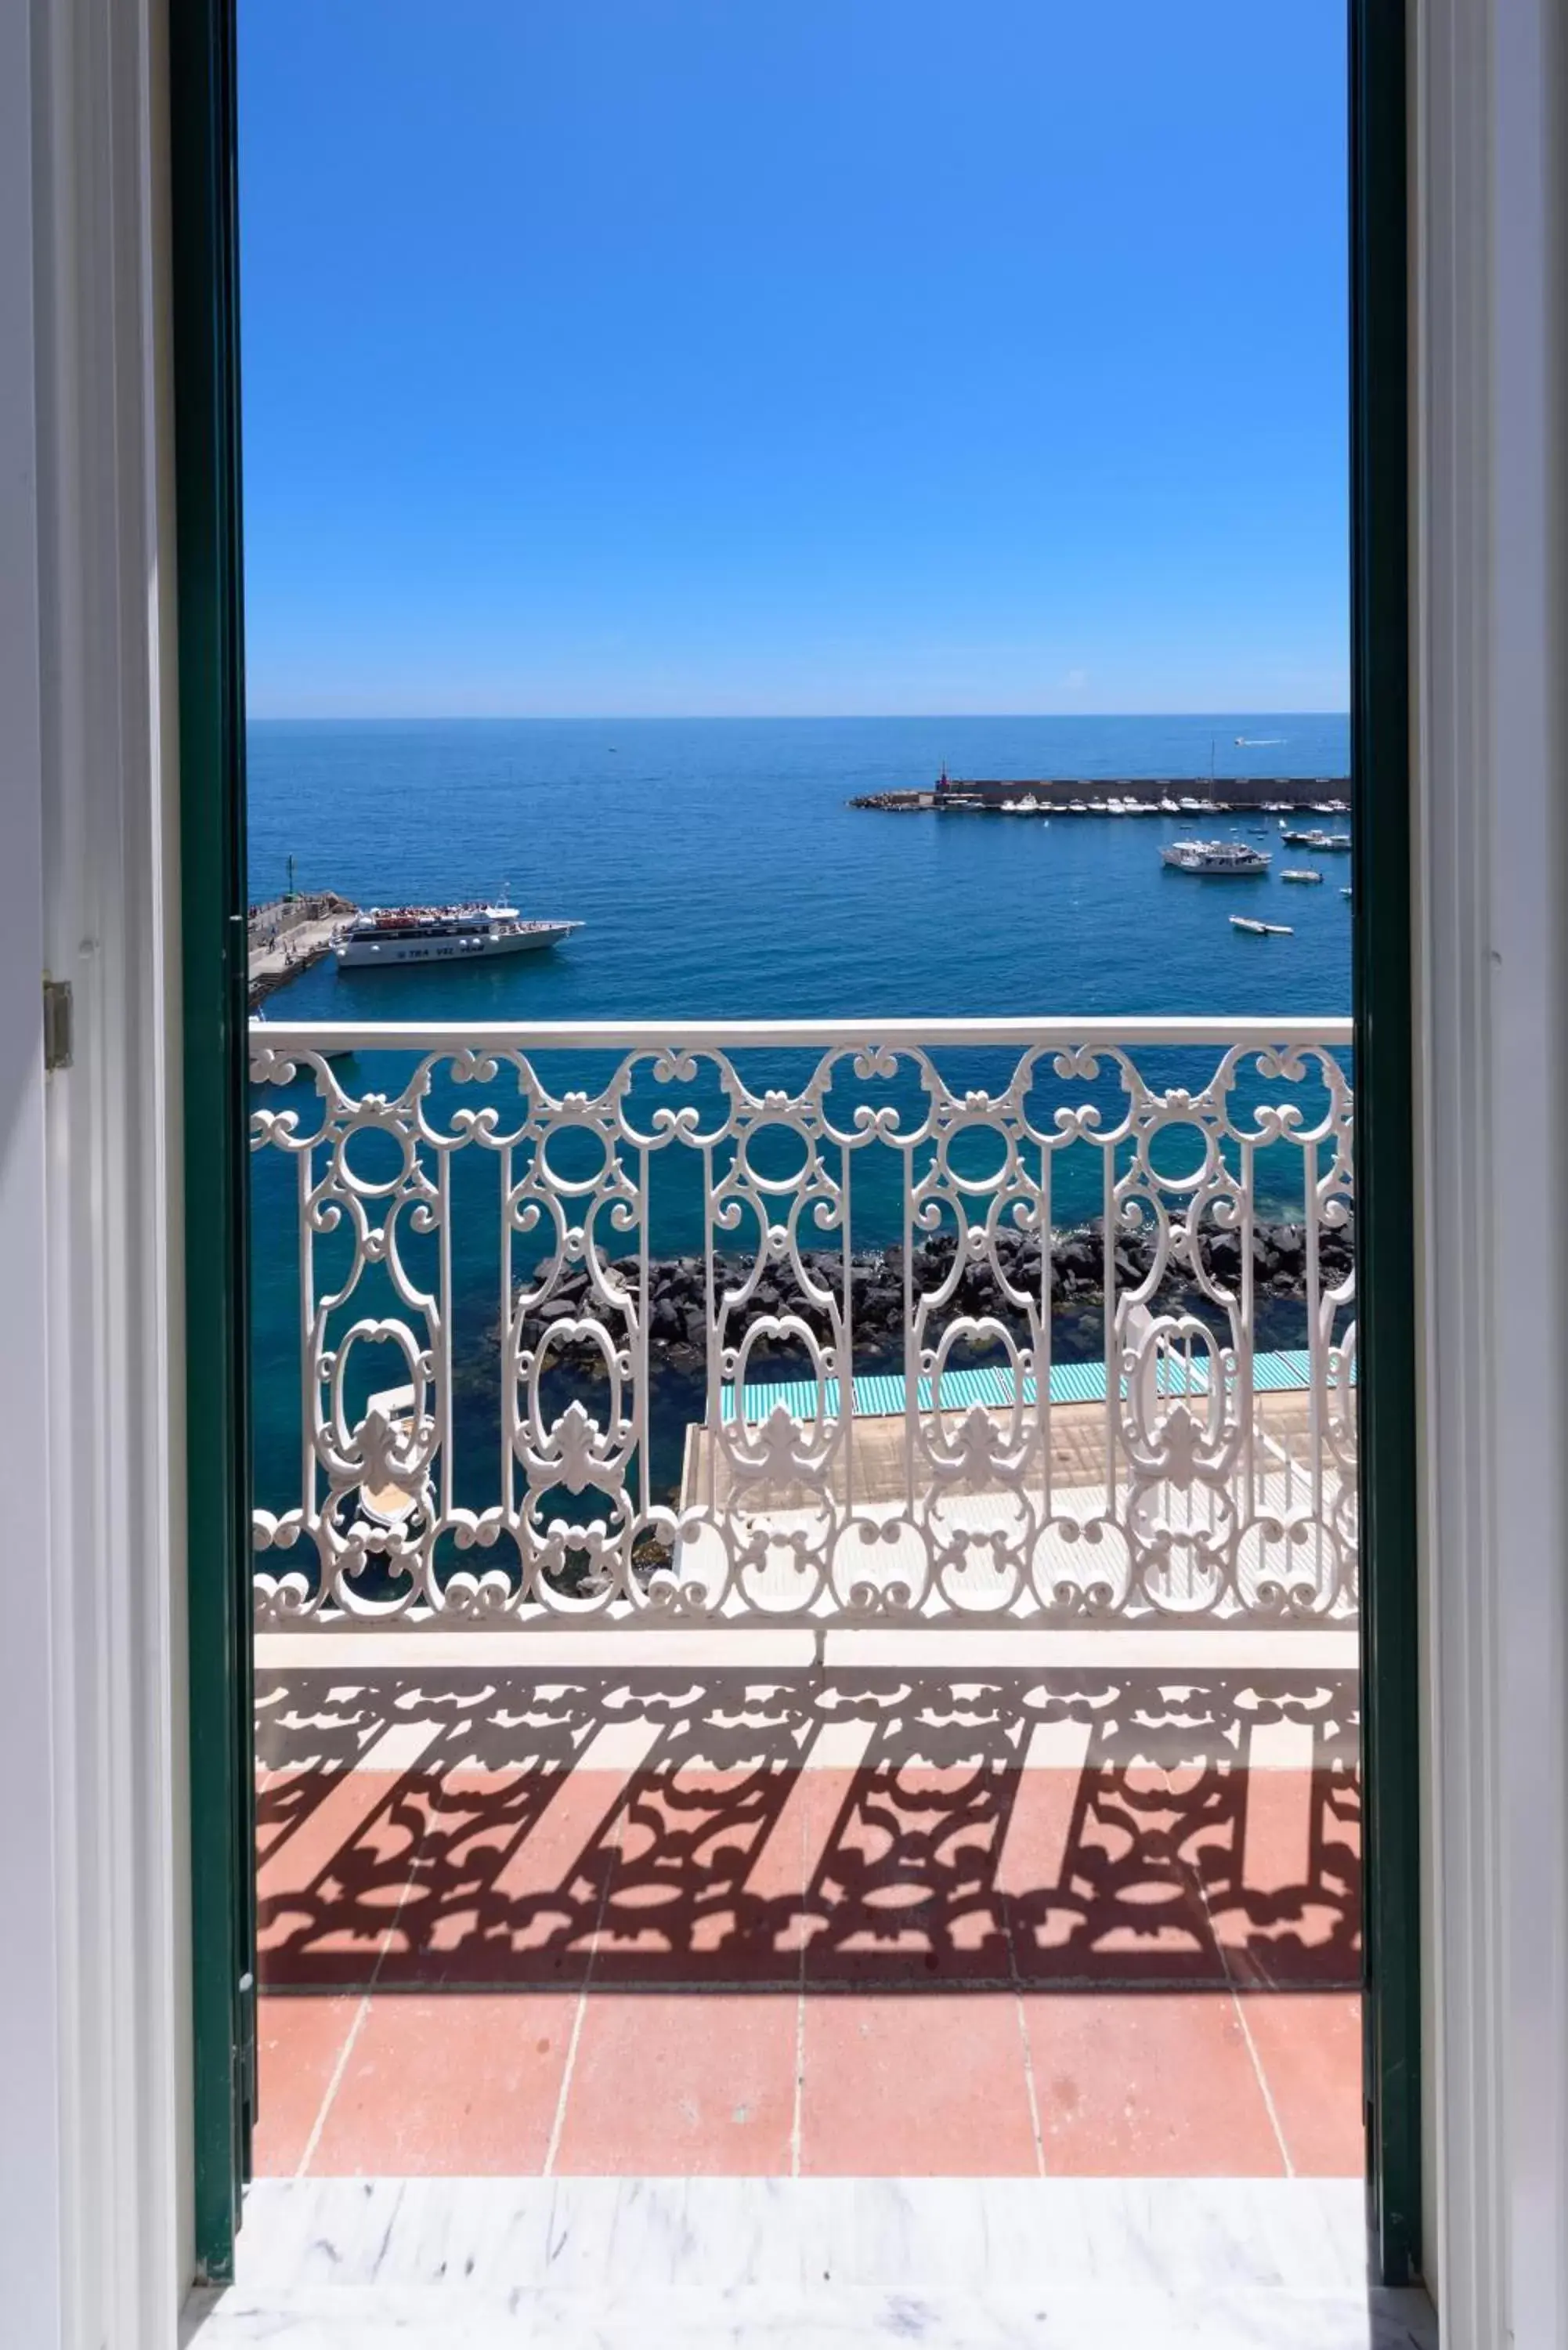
30 2235
90 1739
1491 651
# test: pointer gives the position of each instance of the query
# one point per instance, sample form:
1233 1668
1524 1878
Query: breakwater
677 1288
1094 795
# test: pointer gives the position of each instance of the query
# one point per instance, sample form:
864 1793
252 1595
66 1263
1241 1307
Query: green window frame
213 899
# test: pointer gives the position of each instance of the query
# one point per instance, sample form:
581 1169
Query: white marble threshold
805 2264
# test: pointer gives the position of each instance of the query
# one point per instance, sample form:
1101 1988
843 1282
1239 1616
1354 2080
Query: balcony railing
890 1322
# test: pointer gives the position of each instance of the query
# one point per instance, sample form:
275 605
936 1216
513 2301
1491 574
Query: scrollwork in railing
579 1322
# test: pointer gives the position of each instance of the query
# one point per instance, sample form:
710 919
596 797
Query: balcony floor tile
664 2085
913 2085
299 2044
733 1921
1150 2085
1308 2046
442 2085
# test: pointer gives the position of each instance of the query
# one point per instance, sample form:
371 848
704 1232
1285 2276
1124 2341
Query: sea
719 874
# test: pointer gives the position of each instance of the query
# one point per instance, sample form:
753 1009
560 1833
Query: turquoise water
719 875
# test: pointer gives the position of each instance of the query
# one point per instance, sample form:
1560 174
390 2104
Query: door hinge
59 1023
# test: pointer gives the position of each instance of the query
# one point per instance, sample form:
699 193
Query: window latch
59 1023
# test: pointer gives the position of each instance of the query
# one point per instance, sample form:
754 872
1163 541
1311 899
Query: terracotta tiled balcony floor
873 1923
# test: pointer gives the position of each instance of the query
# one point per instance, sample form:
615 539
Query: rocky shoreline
678 1325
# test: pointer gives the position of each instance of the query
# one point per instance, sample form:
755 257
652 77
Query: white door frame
1490 426
93 2063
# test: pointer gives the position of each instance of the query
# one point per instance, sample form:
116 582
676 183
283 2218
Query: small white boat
1233 858
1300 873
1077 807
1191 807
1169 806
1027 806
1344 893
1261 929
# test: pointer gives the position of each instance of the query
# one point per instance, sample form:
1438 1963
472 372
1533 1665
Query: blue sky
744 356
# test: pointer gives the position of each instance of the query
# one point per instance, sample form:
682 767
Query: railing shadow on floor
659 1828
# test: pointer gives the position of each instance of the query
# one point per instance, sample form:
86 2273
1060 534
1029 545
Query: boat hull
1216 872
359 955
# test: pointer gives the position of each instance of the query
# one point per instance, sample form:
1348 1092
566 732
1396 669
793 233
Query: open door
213 915
214 900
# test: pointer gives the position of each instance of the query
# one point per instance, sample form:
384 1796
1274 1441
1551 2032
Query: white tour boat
1233 858
398 934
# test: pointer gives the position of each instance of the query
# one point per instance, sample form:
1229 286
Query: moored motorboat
386 935
1233 858
1300 873
1261 929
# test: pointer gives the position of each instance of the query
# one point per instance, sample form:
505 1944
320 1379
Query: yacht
1027 806
1222 857
1300 873
1169 806
398 934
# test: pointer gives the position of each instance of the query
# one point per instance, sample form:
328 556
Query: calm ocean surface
719 876
722 877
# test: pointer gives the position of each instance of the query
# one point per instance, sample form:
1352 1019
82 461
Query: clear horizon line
744 718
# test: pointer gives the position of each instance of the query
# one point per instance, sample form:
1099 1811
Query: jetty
287 934
1090 795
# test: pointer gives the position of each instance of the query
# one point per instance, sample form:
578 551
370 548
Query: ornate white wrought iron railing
889 1321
